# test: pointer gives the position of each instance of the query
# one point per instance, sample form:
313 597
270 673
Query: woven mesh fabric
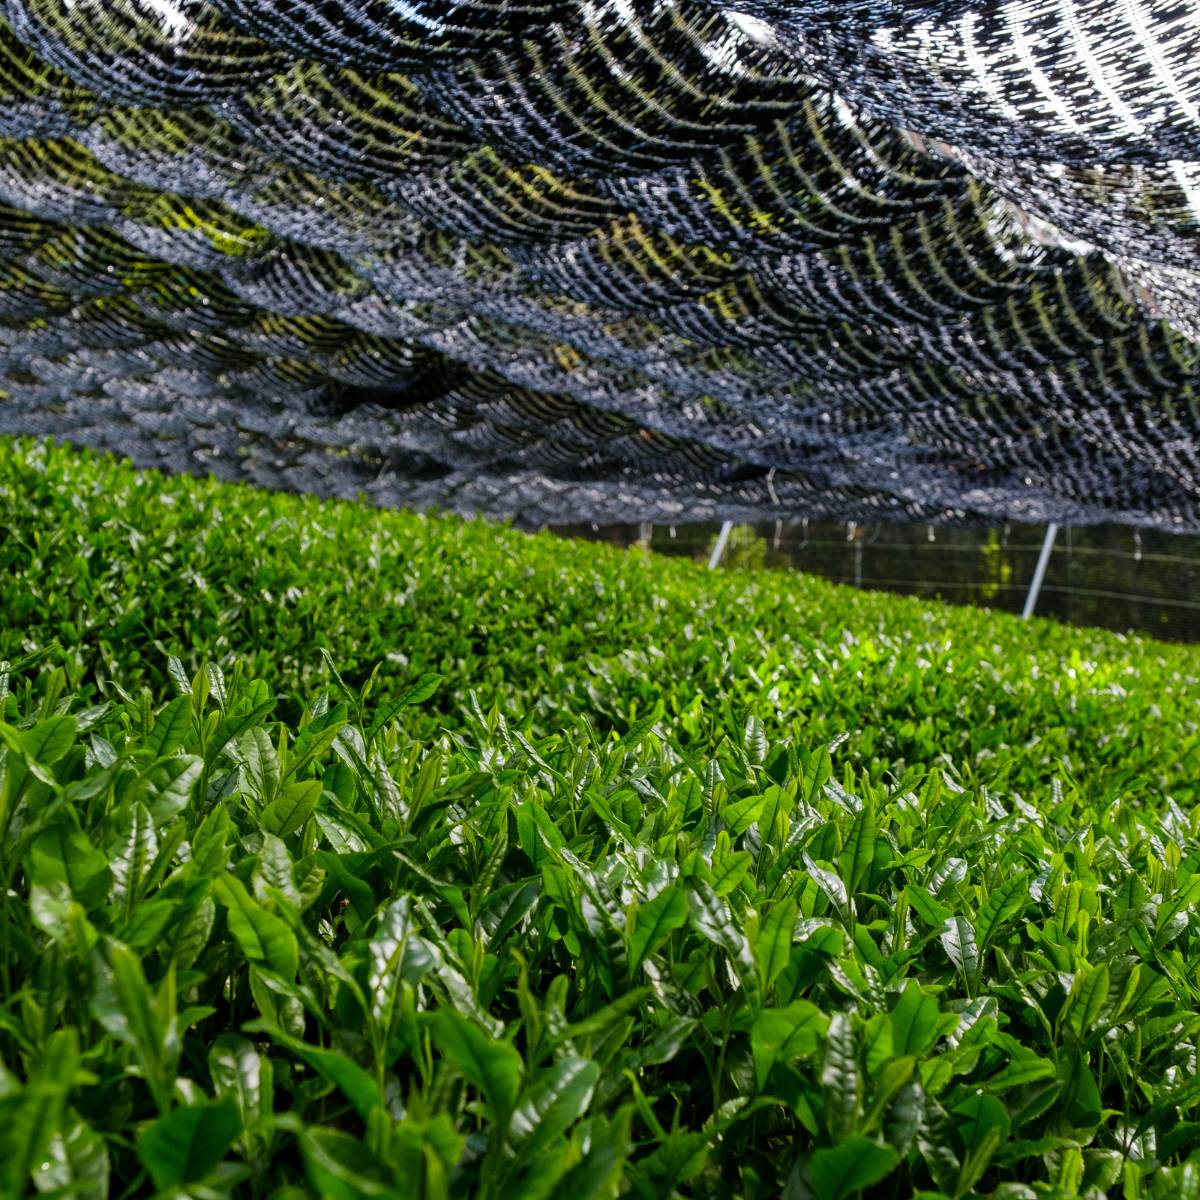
568 260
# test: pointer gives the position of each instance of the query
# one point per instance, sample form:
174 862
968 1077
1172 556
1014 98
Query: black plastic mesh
615 260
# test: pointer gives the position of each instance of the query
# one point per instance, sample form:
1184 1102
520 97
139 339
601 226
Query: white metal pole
722 542
1039 573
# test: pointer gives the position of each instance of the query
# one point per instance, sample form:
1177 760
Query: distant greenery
121 568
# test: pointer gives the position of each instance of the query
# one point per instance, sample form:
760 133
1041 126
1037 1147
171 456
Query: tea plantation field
359 854
121 569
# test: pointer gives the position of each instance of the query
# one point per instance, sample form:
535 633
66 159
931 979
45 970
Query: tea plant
123 567
245 958
555 888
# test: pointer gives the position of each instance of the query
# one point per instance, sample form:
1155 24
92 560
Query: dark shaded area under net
1109 576
616 260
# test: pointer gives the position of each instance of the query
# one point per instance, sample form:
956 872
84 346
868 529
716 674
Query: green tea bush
588 874
121 567
240 959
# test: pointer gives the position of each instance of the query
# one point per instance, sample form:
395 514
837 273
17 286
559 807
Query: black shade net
615 260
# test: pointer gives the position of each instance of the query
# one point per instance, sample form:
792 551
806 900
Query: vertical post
722 542
1039 573
645 532
854 534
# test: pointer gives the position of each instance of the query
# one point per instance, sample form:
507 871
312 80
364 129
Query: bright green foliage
246 959
123 568
568 898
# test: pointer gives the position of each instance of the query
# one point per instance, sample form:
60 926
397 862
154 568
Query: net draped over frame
611 260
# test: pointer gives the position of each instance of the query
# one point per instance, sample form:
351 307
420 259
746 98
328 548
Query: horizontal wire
1063 589
923 547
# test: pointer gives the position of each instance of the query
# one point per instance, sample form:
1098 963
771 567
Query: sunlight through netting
614 259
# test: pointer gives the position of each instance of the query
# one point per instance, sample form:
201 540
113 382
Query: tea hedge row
121 567
245 959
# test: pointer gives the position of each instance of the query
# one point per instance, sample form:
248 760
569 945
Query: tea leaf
555 1100
264 939
773 946
958 938
657 919
61 854
851 1166
186 1146
294 806
492 1066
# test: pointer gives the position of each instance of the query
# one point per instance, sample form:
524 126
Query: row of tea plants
121 568
247 958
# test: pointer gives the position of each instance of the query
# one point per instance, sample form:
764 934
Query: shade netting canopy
568 260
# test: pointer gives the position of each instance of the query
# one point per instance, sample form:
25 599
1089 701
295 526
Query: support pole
722 542
1039 573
